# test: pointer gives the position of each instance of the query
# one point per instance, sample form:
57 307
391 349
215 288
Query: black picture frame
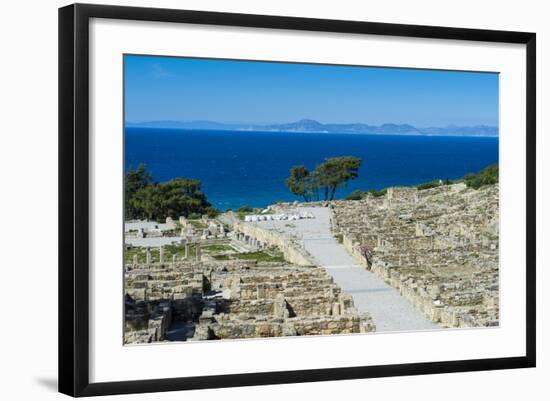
74 198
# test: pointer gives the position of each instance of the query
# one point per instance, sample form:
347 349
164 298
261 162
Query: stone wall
438 247
291 252
236 299
290 327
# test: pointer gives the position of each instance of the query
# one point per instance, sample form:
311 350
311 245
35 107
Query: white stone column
161 254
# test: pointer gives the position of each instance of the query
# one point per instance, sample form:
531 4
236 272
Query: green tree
146 199
179 197
314 185
134 181
298 182
335 172
327 177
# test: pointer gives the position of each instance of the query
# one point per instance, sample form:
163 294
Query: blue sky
183 89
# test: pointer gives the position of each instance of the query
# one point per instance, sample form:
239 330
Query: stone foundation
438 247
235 299
292 253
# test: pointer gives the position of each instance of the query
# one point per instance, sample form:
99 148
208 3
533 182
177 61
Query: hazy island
314 126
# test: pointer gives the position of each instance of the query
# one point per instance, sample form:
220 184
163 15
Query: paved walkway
389 310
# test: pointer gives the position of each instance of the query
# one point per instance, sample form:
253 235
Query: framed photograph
250 199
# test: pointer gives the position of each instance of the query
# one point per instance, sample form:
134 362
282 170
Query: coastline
247 168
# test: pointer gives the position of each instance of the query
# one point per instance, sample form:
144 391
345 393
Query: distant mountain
317 127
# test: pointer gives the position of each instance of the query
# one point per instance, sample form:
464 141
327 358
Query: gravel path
389 310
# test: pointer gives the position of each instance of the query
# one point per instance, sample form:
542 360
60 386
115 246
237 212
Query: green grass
260 256
197 224
213 249
217 248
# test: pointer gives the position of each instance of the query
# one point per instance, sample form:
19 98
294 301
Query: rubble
210 300
439 247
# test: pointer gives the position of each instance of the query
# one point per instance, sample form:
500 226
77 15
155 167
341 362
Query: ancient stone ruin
439 247
192 300
228 278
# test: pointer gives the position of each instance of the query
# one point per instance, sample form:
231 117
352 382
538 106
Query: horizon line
451 125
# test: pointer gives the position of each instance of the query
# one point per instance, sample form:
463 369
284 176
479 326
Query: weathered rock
249 300
438 247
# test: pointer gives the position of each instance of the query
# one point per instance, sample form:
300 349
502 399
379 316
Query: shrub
355 195
212 212
378 194
245 209
358 195
486 176
428 185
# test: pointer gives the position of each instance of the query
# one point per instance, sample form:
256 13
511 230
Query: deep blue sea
249 168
